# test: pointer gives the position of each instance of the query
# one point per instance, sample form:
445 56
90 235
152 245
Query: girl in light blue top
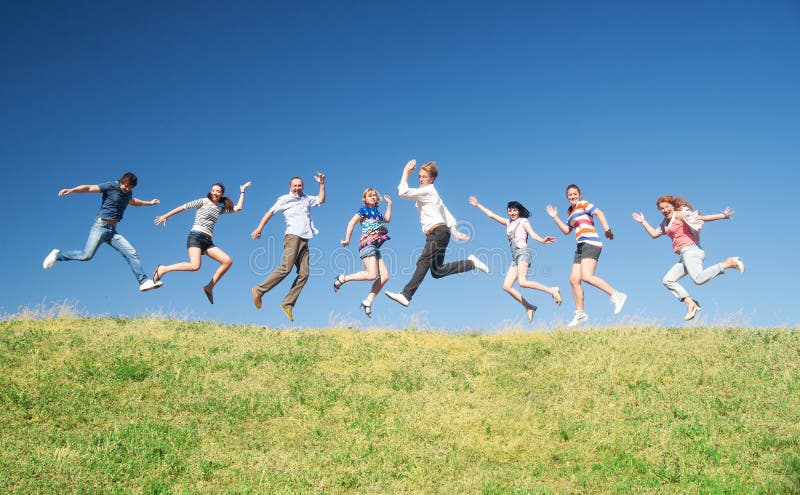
518 228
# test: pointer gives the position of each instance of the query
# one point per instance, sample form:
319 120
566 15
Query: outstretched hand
473 201
320 178
244 186
548 240
552 211
388 199
409 168
728 213
638 217
161 219
64 192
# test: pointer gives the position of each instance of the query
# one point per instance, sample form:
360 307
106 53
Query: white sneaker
50 260
618 300
397 297
480 265
580 317
150 285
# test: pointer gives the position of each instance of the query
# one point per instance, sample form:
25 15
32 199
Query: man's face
296 187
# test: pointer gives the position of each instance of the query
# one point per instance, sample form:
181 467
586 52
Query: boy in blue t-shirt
117 195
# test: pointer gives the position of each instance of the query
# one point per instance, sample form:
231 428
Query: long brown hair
225 200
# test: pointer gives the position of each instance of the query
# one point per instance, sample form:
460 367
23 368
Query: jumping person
682 225
437 225
117 195
518 228
199 241
296 208
580 217
373 234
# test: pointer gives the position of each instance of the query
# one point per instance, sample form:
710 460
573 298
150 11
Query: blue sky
630 100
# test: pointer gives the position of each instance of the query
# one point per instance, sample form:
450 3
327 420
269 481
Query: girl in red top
682 225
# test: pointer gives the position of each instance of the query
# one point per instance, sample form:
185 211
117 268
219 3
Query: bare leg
522 280
577 289
225 263
587 275
184 266
380 281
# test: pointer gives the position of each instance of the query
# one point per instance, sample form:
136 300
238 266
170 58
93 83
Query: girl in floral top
199 241
373 234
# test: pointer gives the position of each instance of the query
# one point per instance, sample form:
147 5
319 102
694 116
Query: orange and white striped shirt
580 218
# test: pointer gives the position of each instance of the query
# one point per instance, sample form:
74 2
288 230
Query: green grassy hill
161 406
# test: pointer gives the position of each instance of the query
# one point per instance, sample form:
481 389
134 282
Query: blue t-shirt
114 201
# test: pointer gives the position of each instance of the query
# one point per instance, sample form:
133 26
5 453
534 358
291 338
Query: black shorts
199 240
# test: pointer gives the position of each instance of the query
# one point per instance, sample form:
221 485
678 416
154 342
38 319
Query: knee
227 263
508 287
193 267
573 280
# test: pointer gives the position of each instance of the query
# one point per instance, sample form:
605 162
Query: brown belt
434 227
113 223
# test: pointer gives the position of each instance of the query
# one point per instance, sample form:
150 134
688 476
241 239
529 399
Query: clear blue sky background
514 100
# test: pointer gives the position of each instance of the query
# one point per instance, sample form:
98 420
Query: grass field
105 405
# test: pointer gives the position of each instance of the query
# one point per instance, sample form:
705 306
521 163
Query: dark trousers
432 259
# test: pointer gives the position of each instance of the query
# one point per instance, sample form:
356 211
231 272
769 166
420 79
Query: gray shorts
586 251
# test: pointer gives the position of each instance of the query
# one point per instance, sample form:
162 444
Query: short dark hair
129 178
523 212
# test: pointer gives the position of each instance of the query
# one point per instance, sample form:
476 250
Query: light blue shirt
297 211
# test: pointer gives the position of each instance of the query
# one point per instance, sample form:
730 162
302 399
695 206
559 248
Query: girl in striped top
199 241
580 217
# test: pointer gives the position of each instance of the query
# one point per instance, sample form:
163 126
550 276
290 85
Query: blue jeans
103 232
691 264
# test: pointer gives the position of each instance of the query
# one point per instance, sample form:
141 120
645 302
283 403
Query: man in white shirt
296 207
437 224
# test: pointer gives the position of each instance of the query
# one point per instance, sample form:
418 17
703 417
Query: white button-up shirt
430 206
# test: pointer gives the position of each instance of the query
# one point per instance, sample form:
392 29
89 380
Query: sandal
556 295
367 308
209 293
156 276
338 282
530 311
690 314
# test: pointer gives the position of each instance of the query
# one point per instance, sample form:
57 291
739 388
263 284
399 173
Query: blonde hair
430 167
367 191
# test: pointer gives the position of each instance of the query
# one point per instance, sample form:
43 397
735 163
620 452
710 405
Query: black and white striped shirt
207 214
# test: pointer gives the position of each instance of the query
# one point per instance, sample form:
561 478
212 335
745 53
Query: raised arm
256 234
489 213
536 237
240 204
350 226
86 188
403 188
163 218
553 212
320 178
638 217
387 217
602 217
725 215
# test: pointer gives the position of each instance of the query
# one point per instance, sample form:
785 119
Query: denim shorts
519 255
586 251
369 251
199 240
